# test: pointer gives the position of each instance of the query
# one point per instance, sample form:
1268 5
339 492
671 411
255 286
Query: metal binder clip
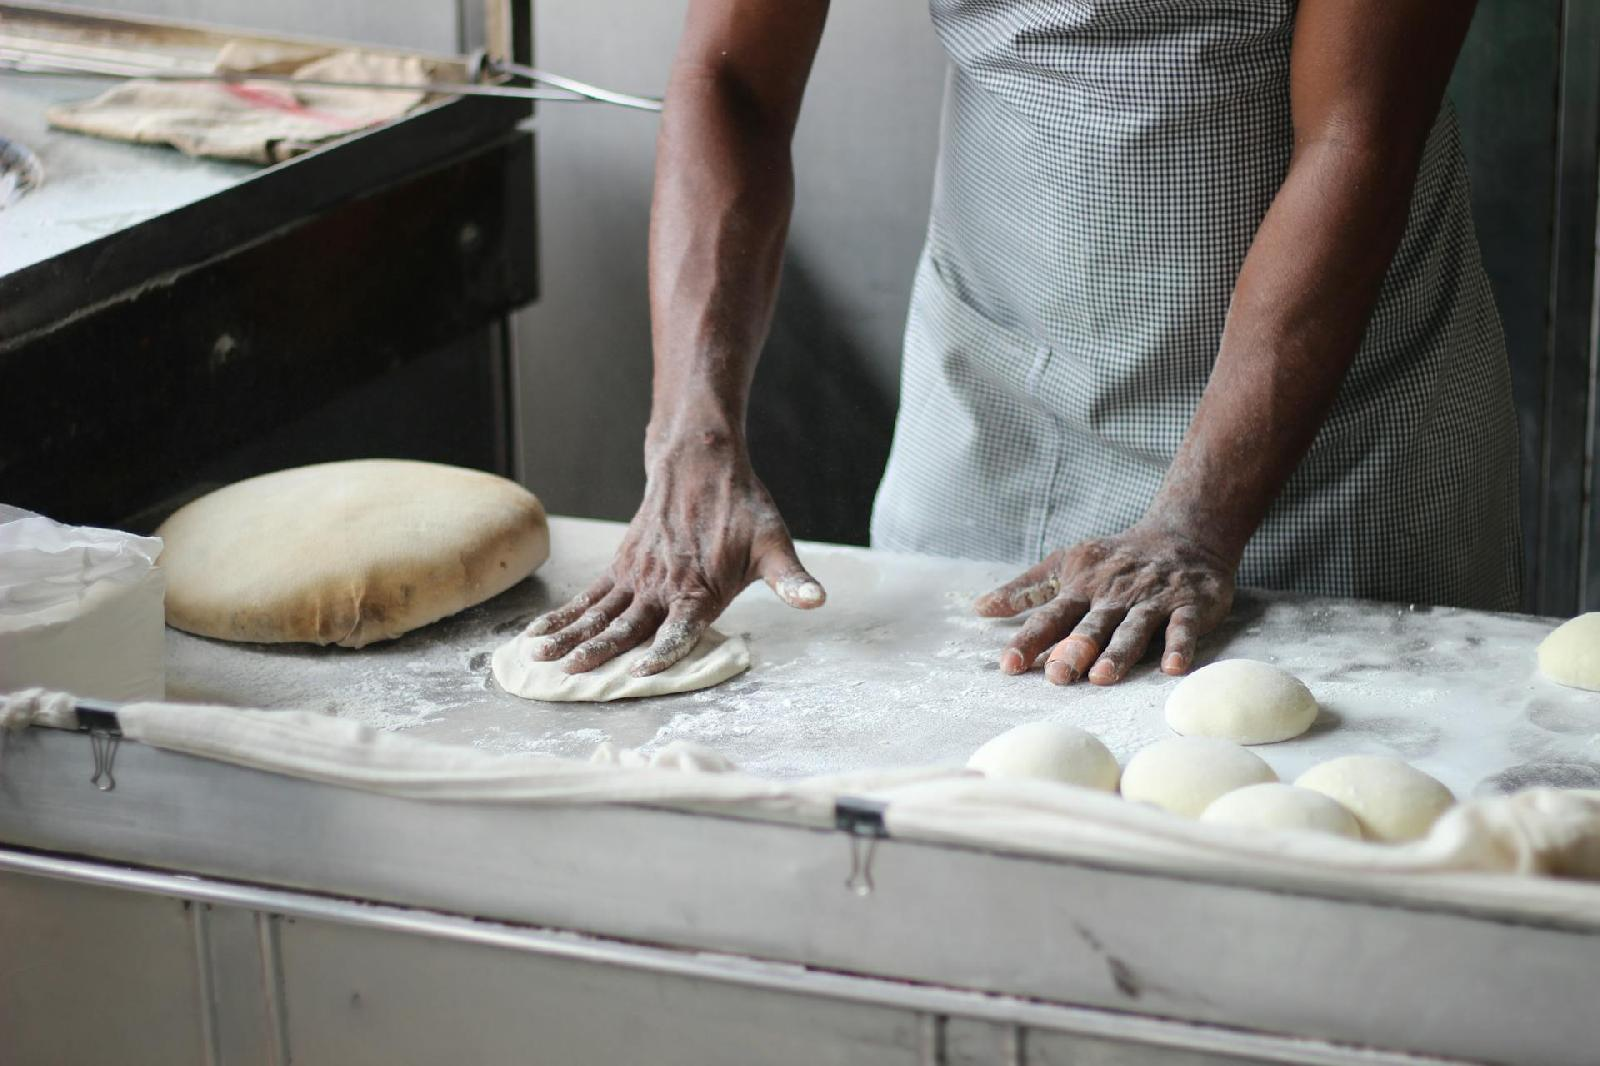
863 820
105 735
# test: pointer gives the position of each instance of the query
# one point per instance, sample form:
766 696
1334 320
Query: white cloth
253 121
1538 832
318 747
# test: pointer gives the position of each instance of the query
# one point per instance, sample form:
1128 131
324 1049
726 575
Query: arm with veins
724 188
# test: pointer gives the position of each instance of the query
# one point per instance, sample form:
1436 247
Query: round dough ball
1241 700
1049 751
1392 801
1571 654
347 553
1184 774
1278 806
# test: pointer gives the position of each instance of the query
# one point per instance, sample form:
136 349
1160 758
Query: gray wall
826 389
1506 89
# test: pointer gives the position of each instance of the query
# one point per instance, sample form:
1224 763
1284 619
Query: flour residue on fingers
674 640
800 589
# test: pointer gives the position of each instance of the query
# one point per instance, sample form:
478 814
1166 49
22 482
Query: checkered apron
1104 166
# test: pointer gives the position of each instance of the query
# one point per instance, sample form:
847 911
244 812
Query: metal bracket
105 736
863 820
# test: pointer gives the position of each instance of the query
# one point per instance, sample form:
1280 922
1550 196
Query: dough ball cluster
1362 797
1207 773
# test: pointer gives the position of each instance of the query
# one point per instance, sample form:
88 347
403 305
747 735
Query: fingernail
1103 673
798 590
1173 663
1011 661
1058 672
538 627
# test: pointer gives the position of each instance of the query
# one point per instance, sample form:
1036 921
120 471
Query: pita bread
347 553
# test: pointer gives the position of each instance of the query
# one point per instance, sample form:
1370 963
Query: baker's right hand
707 528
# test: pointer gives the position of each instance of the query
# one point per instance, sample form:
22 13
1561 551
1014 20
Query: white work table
896 670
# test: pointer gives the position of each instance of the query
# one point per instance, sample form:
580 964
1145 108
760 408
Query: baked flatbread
347 553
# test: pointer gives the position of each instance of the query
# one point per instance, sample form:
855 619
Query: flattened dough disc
347 553
714 660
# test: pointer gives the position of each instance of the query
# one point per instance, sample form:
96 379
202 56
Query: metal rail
26 55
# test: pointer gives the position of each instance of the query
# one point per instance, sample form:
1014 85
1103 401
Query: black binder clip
105 735
863 820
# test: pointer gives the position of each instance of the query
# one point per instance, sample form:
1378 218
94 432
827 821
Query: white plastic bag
81 609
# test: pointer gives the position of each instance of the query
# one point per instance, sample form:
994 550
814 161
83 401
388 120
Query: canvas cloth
1103 168
1549 832
256 122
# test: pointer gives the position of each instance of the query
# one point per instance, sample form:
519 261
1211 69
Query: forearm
1365 82
723 195
1300 308
706 527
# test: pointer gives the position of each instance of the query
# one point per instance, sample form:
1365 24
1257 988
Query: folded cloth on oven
253 121
1542 831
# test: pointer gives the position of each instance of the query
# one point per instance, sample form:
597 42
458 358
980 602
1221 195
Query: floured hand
1101 603
707 528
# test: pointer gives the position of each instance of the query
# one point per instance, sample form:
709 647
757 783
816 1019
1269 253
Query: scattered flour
896 671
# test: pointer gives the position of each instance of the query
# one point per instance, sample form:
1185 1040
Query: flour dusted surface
895 671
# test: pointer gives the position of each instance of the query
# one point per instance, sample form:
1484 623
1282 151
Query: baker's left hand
1101 603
